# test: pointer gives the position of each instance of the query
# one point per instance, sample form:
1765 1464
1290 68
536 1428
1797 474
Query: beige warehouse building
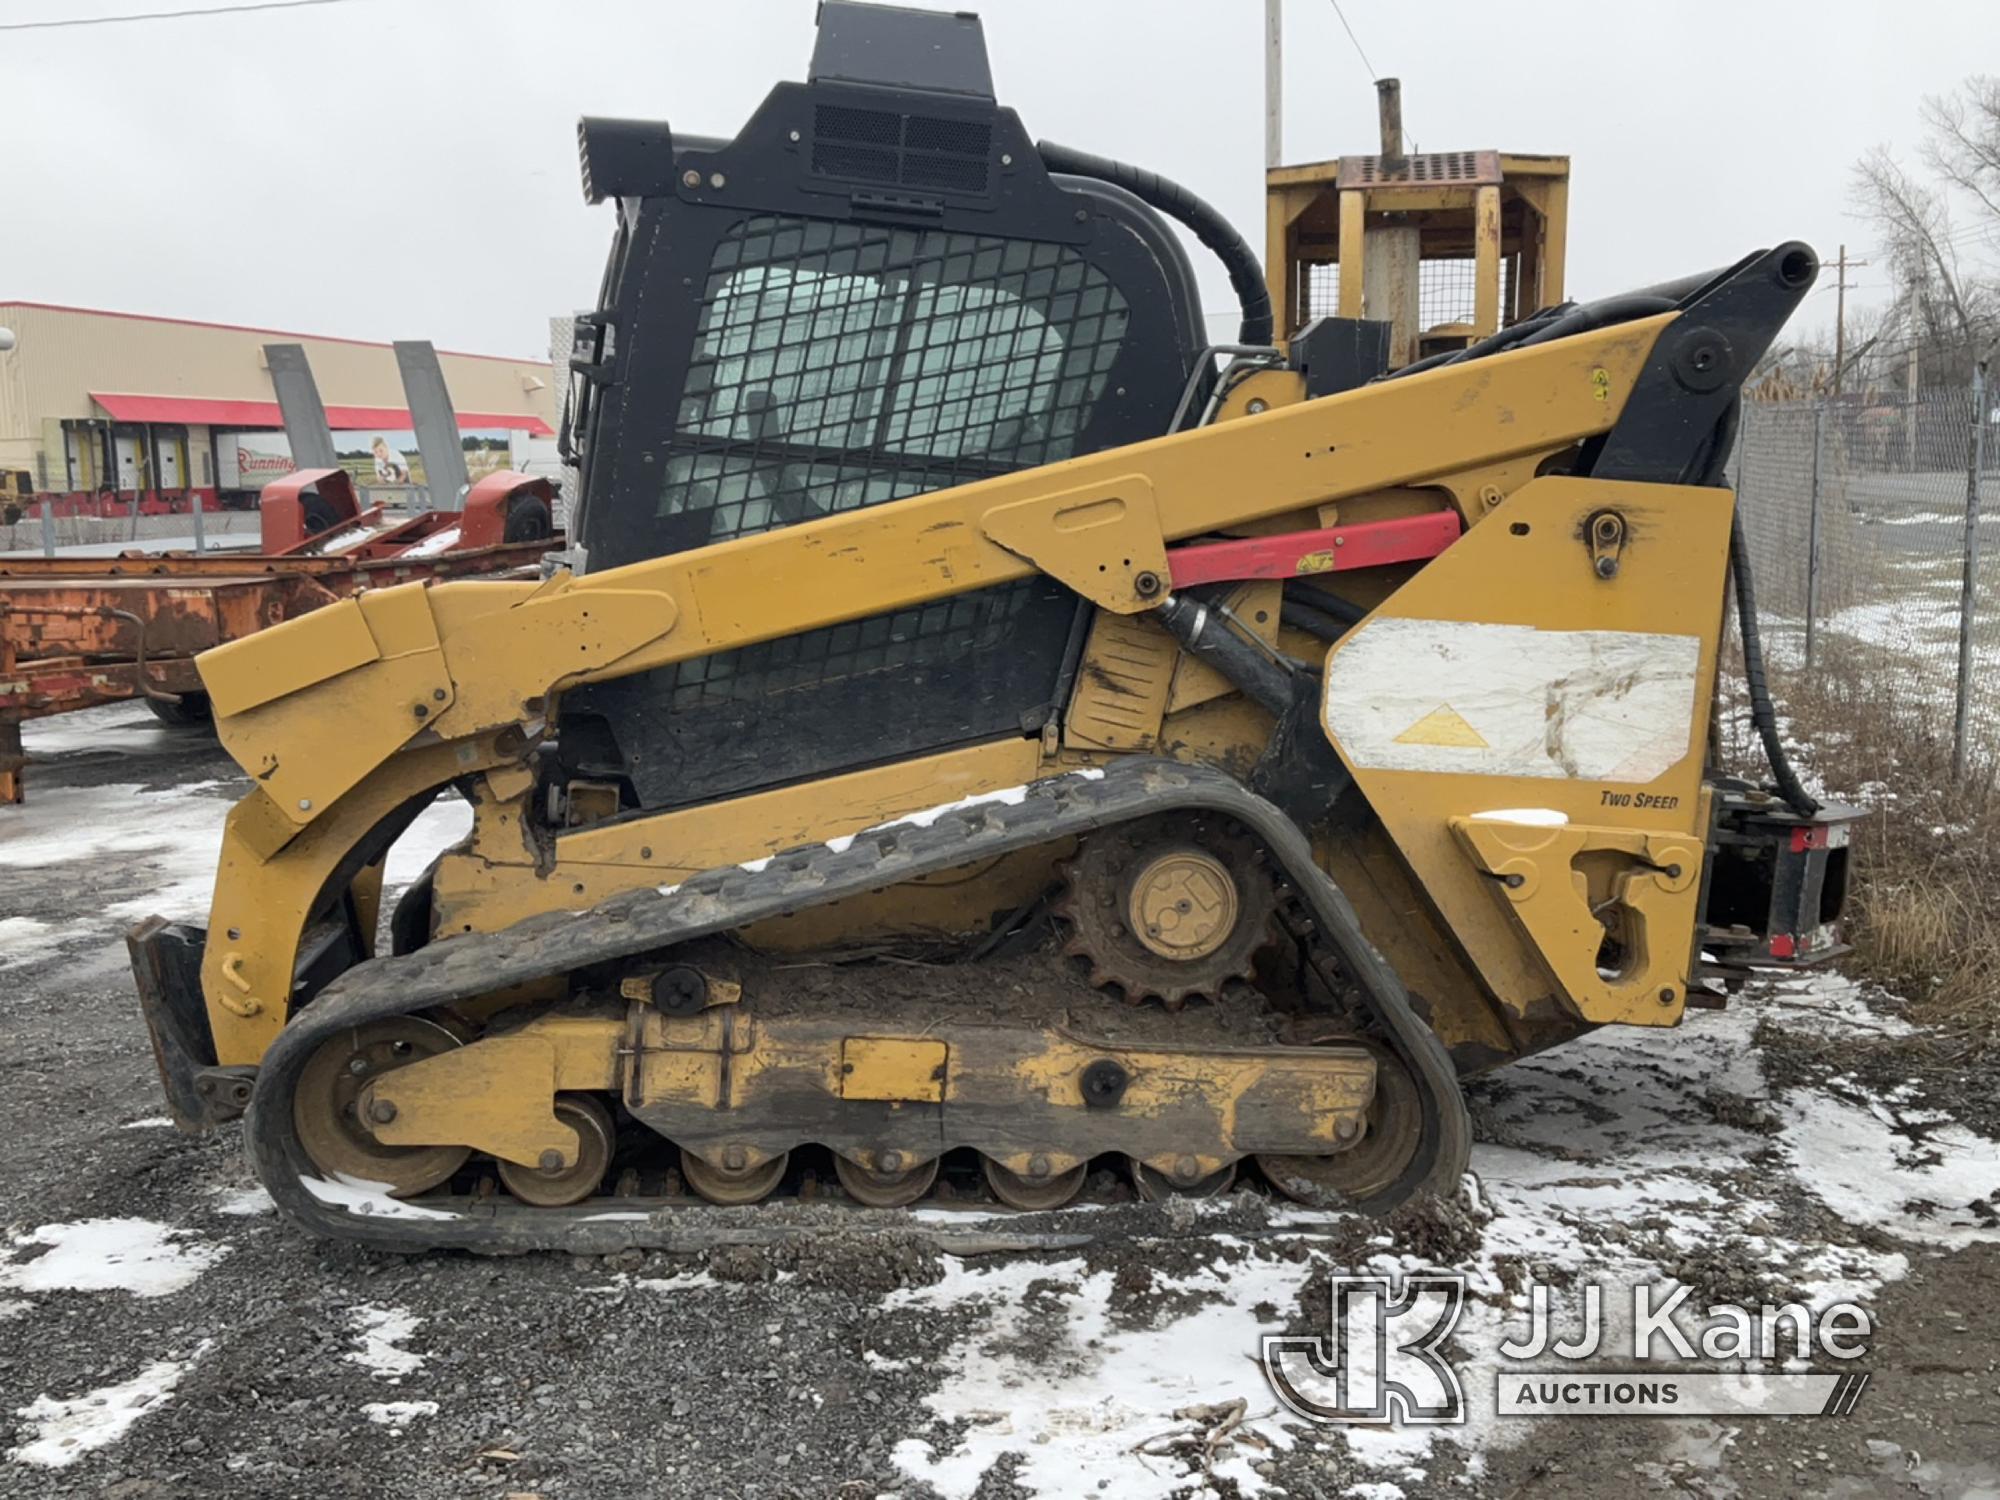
101 405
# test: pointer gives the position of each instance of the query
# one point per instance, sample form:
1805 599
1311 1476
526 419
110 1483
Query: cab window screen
838 366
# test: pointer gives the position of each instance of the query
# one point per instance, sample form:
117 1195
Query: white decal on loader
1513 700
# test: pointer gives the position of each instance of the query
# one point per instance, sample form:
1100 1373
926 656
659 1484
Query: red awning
192 410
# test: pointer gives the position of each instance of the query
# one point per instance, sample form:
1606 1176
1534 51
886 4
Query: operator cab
877 289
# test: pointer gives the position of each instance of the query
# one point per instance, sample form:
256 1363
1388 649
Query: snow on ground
244 1203
108 1255
116 728
381 1333
68 1429
1077 1414
436 828
1603 1158
161 843
398 1414
23 939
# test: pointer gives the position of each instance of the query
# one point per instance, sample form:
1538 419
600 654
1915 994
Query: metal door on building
131 462
167 445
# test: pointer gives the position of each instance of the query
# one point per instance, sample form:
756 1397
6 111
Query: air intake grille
897 150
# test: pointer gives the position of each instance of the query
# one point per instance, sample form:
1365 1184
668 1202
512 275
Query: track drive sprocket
1168 908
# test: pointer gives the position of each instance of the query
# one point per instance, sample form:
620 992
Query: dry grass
1925 868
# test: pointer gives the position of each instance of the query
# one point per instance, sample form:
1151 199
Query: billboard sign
378 458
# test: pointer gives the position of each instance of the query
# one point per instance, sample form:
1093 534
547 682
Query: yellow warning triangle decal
1443 725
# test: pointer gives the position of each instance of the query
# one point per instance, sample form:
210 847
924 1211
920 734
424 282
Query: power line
1358 50
163 15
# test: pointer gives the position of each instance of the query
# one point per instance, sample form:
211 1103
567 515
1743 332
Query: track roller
1154 1185
1030 1194
557 1186
732 1186
885 1189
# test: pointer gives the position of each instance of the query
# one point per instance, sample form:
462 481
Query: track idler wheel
732 1186
1033 1194
1390 1140
1154 1186
885 1189
326 1108
557 1186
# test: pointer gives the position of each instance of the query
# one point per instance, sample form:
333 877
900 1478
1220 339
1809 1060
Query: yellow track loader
973 734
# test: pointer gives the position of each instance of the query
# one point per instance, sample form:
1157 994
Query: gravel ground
163 1334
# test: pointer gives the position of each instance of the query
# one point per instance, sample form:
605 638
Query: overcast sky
407 168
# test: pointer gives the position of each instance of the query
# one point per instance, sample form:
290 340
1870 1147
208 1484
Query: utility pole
1840 318
1910 413
1274 83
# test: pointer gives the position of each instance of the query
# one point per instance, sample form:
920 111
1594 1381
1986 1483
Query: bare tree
1962 142
1944 306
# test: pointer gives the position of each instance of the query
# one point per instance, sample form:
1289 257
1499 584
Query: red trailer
77 632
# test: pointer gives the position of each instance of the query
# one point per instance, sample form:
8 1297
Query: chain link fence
1871 527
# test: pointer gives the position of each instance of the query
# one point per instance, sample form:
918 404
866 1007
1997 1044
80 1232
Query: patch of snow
1534 817
398 1414
359 1196
163 844
1074 1413
244 1203
13 1307
151 1122
381 1332
438 542
110 1255
436 828
1915 1181
68 1429
120 728
875 1361
680 1281
23 939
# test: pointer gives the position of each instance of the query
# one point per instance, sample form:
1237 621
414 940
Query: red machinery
77 632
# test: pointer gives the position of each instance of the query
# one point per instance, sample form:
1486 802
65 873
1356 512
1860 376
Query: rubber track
638 922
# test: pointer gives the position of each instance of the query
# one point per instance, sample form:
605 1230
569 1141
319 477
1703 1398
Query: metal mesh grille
838 366
1321 284
1447 290
946 630
919 151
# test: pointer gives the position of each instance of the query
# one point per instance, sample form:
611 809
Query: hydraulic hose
1762 713
1600 314
1314 623
1493 343
1246 274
